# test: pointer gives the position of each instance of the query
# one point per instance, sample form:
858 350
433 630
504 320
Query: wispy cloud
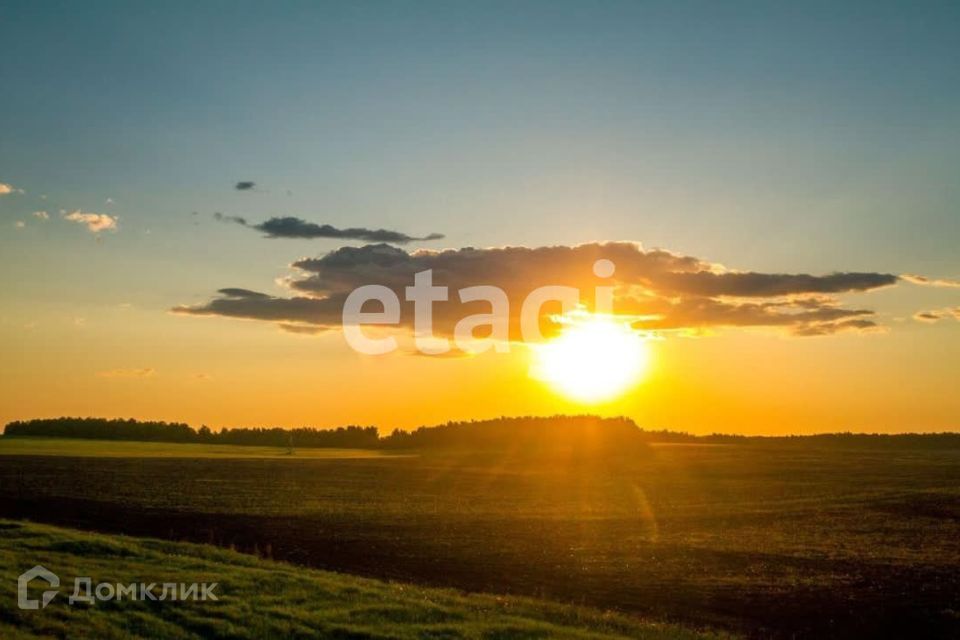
927 316
220 217
95 222
42 215
127 373
930 282
936 315
291 227
302 329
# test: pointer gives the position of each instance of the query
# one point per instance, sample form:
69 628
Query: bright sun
595 358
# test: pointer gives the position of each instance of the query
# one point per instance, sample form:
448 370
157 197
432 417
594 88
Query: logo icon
23 582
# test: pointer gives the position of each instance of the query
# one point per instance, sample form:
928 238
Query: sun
594 359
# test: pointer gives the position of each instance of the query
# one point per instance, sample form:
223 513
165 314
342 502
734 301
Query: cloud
930 282
935 315
656 289
6 189
928 316
290 227
127 373
42 215
244 185
95 222
751 284
19 224
835 327
302 329
235 292
219 217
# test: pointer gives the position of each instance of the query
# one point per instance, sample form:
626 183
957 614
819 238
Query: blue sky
830 130
773 136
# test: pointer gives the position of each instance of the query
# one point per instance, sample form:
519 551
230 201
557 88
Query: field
783 540
263 599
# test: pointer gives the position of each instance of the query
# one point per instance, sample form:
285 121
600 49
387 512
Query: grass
264 599
793 540
120 449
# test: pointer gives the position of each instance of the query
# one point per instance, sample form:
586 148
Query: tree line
158 431
528 434
584 433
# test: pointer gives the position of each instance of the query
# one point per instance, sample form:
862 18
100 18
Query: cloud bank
657 289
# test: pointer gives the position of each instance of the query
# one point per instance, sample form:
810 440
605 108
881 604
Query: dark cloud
302 329
245 185
829 328
656 270
751 284
235 292
290 227
260 306
700 313
219 217
659 290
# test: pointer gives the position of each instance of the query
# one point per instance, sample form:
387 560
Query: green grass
264 599
119 449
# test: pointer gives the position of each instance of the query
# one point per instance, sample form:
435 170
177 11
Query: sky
759 138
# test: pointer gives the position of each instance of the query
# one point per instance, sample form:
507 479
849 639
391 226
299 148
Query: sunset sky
716 153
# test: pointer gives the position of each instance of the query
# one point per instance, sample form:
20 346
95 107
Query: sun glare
594 359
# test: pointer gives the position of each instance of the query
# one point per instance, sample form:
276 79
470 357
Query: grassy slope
121 449
262 599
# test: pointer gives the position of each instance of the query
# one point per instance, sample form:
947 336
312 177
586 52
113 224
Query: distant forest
149 431
529 433
583 433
